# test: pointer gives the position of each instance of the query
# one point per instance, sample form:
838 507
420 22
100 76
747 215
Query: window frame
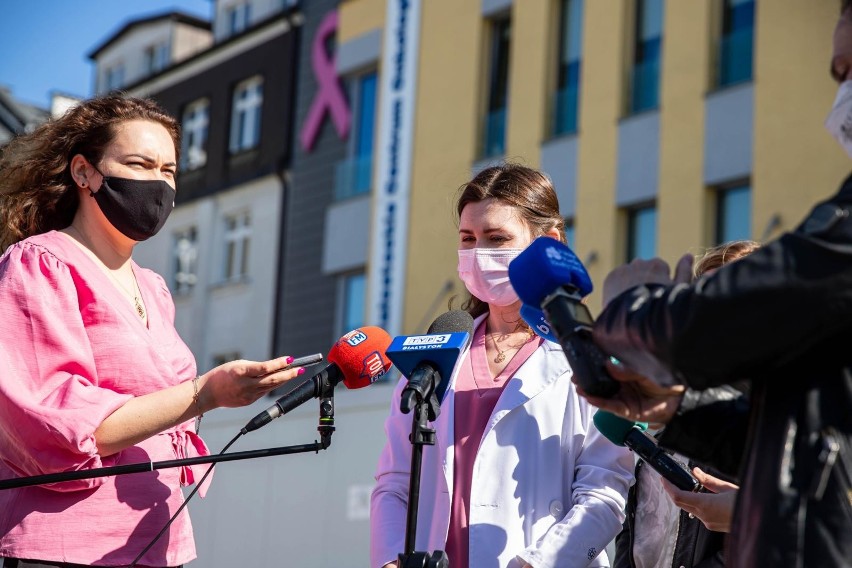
190 134
631 248
190 234
242 105
234 265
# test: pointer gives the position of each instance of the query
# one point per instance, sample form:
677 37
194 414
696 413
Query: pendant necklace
140 309
501 354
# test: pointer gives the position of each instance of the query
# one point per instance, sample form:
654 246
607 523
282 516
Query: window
196 117
245 115
645 74
354 175
736 42
568 73
114 78
238 17
642 233
237 239
354 296
185 260
733 214
494 143
156 57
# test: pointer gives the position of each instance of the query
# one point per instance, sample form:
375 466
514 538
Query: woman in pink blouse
94 373
519 476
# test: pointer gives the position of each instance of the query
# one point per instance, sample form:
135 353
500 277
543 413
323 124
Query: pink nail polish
289 360
301 371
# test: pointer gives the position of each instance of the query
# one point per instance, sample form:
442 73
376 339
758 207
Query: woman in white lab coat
519 475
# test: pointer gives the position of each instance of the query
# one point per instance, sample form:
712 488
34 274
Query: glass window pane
734 214
498 89
354 296
566 98
645 75
366 115
642 233
736 45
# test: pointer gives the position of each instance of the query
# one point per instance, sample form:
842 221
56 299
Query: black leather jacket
696 546
782 318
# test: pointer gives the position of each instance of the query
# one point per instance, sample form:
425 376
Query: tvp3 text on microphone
428 362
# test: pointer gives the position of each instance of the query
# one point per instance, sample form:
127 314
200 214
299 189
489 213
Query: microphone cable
185 502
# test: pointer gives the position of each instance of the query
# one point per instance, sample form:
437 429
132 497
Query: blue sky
44 43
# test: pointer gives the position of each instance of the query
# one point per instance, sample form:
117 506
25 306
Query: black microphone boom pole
426 406
309 389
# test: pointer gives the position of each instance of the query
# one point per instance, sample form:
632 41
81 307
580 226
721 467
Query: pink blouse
476 395
73 350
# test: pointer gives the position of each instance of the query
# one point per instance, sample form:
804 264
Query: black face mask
136 207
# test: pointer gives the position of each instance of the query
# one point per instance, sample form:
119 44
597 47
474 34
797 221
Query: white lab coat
547 486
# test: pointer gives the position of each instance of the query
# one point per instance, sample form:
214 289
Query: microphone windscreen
454 321
615 428
360 356
537 321
543 267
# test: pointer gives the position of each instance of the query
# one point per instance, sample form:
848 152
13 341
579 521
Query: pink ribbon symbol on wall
329 96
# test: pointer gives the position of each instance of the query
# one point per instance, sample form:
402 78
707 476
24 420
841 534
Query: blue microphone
428 359
548 274
535 318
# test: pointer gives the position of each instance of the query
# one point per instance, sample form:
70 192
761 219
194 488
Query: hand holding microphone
713 507
358 359
623 432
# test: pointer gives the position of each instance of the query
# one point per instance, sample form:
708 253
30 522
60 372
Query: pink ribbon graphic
329 97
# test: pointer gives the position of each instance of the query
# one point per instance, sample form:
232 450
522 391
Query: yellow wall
685 71
445 141
796 162
600 109
530 82
357 17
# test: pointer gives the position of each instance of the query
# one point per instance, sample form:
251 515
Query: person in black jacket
791 303
657 532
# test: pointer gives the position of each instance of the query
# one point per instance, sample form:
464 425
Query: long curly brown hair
528 190
37 192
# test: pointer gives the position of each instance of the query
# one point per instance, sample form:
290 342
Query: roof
17 117
179 17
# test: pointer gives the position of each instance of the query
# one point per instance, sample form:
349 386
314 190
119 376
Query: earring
83 185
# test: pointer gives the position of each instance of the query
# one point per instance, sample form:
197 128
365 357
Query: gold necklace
139 308
135 293
501 354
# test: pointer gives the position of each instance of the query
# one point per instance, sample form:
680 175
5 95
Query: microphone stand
325 429
421 435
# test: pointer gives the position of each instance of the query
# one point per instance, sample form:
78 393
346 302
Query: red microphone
358 359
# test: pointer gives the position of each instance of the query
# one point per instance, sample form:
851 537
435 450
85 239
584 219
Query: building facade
324 145
665 126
